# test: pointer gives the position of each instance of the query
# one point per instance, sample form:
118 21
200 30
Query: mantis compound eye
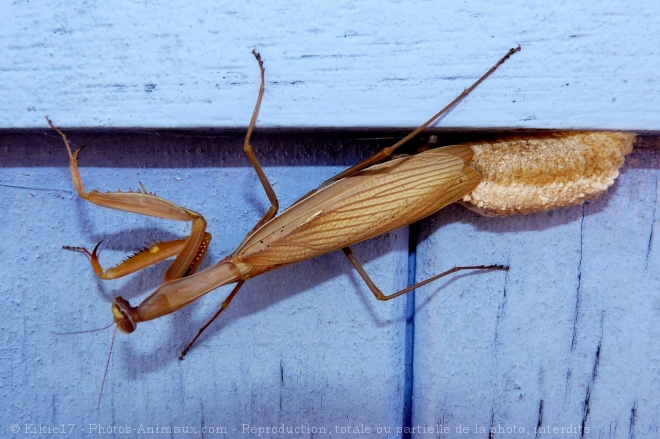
123 313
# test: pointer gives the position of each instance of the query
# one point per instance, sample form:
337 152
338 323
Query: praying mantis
374 197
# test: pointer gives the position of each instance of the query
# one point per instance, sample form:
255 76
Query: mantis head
126 316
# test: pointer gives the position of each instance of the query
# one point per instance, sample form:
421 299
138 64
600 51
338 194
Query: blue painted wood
291 355
305 347
563 343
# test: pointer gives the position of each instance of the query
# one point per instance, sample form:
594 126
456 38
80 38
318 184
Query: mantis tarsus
367 200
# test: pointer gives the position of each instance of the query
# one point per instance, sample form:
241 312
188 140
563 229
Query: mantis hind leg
388 151
380 296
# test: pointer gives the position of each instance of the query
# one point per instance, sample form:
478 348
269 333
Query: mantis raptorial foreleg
149 255
342 212
190 250
379 294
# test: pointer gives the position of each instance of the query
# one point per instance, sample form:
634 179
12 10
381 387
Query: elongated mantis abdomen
373 197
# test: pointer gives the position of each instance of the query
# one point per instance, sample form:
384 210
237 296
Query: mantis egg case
544 171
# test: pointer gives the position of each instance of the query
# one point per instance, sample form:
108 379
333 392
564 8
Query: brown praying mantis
371 198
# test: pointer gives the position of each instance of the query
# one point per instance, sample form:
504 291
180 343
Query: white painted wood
316 349
338 64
